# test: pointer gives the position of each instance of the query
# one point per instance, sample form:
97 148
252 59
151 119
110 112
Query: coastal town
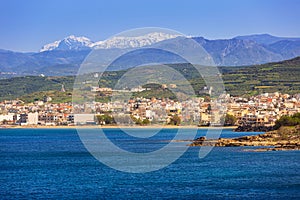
260 110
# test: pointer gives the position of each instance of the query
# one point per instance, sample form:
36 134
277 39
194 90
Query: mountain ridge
265 38
82 43
68 43
65 56
73 42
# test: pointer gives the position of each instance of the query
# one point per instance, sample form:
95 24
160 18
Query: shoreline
284 138
115 127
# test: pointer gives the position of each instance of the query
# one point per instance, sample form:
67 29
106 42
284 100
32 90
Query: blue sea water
54 164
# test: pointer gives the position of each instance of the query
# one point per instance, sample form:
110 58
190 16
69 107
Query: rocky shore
254 129
285 138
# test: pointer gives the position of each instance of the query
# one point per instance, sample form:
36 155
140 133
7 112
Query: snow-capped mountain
50 46
73 50
133 42
80 43
69 43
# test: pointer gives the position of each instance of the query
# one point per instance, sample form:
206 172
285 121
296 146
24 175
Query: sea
57 164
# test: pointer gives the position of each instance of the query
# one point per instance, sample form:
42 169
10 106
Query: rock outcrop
254 129
285 138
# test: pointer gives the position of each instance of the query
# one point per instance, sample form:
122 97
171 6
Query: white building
8 117
84 118
33 118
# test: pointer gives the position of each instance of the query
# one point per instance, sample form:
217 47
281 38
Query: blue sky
27 25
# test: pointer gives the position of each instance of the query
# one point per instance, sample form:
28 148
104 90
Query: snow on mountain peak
133 42
69 43
73 38
80 43
50 46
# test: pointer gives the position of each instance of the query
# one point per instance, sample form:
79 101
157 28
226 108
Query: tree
105 119
175 120
229 120
146 122
288 121
209 108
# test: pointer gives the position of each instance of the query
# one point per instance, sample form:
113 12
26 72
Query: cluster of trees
105 119
288 121
109 119
138 121
230 120
175 120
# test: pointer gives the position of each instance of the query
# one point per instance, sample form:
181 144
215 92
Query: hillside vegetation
246 81
271 77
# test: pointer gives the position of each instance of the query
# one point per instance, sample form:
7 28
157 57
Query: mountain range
63 57
82 43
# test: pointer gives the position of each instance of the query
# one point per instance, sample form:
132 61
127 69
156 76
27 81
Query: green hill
271 77
281 76
23 87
